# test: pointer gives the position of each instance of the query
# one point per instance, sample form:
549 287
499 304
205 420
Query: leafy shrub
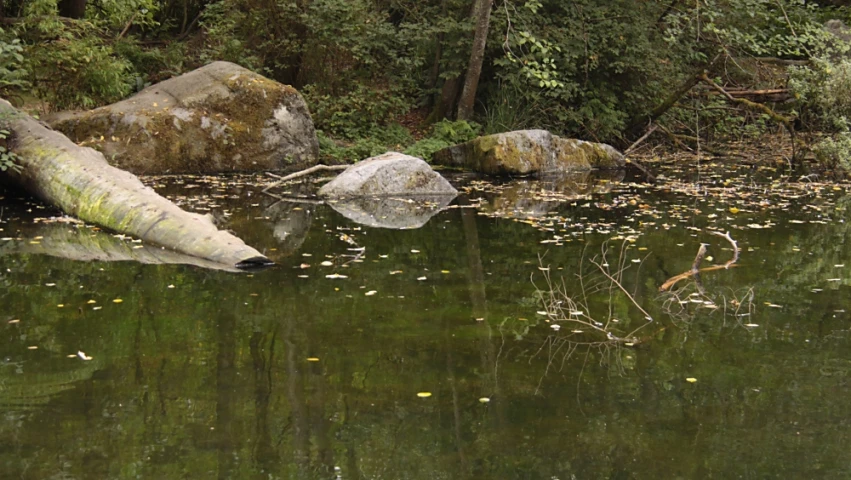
821 94
13 76
834 152
356 114
8 159
381 140
71 66
444 134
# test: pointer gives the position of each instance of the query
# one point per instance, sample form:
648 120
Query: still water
426 353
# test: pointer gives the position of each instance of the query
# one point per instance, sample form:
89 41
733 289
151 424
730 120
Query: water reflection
286 373
389 212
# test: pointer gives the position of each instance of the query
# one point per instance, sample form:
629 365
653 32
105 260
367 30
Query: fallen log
79 181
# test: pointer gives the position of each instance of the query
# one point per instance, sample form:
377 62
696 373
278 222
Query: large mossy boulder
528 151
218 118
391 174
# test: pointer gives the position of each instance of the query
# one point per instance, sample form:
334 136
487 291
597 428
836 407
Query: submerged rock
218 118
390 174
528 151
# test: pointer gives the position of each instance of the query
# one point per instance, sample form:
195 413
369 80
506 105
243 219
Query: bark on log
79 181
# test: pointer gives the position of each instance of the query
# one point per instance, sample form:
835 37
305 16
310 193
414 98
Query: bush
13 76
444 134
71 66
380 140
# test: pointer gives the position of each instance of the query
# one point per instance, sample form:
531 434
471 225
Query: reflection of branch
695 268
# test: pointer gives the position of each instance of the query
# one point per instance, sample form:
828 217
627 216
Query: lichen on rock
528 151
218 118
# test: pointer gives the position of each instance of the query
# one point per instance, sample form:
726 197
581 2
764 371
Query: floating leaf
484 400
117 300
312 359
326 263
83 355
422 278
734 211
415 251
424 394
370 293
335 275
691 380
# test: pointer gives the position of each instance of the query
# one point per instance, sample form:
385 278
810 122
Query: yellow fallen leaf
91 302
734 210
424 394
312 359
691 380
117 300
484 400
370 293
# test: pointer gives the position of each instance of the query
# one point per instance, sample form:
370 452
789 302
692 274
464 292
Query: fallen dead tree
79 181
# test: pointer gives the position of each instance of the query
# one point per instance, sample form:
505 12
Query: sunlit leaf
691 380
424 394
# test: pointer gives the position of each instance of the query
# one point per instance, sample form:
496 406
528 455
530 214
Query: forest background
418 75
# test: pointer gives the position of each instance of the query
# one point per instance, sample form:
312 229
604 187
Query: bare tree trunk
72 8
477 55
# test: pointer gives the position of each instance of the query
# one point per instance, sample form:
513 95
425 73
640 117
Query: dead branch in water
306 171
695 268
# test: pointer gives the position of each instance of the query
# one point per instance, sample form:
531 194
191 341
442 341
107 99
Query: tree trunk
477 55
79 181
72 8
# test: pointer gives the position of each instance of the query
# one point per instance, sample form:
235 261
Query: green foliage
70 65
821 91
151 65
12 73
8 160
444 134
355 114
380 140
834 152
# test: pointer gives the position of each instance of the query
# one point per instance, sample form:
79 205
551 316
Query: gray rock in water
218 118
528 151
391 174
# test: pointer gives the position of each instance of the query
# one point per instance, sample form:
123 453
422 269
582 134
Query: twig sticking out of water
695 268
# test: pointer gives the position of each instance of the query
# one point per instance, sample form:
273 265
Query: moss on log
79 181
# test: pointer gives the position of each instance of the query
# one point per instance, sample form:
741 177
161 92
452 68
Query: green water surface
289 374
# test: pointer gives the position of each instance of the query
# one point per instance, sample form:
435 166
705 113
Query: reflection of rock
529 151
391 174
389 212
534 198
291 224
77 242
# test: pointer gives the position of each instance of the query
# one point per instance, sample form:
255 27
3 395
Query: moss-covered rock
218 118
528 151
